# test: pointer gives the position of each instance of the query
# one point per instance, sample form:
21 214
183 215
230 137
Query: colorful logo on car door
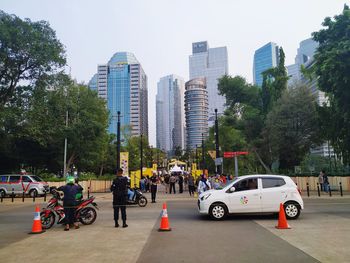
244 200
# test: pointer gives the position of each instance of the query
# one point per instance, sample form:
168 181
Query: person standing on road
191 184
167 182
153 187
325 181
70 191
119 188
172 182
320 180
203 185
181 184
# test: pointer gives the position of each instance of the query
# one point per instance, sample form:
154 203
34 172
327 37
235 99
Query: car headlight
205 197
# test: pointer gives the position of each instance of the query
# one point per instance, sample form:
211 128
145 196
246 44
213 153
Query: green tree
275 81
244 114
332 67
291 127
28 50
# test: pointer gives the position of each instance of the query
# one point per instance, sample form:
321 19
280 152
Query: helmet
70 180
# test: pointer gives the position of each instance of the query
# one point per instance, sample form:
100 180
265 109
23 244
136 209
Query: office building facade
170 117
305 54
196 112
211 64
265 58
123 84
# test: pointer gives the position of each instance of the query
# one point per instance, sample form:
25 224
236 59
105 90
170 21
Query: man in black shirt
119 188
154 187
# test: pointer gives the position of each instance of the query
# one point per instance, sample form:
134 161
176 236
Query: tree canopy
332 67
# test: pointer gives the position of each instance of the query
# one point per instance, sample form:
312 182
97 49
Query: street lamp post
141 157
118 141
217 149
203 164
65 149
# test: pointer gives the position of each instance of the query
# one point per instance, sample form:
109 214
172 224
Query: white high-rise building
212 64
170 113
305 54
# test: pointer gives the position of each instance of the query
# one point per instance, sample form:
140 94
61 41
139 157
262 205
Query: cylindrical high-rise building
196 111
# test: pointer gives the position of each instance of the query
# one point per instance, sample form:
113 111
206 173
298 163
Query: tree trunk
101 169
268 170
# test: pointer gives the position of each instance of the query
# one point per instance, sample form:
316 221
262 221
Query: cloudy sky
160 32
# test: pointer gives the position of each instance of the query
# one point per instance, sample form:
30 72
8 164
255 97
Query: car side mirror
232 189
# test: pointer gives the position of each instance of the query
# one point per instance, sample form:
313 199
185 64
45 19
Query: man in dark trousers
119 188
70 191
181 183
153 187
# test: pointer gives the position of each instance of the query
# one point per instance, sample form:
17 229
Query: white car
253 194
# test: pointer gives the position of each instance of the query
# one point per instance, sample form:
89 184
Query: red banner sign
233 154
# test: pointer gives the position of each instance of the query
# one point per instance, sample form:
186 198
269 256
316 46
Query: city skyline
101 30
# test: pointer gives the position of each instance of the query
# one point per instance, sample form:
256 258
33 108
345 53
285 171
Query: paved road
321 234
198 239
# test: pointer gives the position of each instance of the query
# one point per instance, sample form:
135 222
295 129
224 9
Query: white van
29 184
253 194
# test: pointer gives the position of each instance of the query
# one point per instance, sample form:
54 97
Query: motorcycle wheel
47 221
142 201
87 215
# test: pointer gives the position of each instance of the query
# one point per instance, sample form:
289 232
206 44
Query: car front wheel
292 210
33 193
218 211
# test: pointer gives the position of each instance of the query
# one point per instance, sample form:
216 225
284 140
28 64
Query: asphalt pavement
195 238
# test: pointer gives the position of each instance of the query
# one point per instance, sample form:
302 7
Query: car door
15 184
26 183
246 197
273 193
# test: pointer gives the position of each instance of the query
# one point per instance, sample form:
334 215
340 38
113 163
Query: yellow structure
135 176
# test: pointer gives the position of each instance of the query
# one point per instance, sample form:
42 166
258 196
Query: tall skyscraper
170 113
212 64
305 54
265 58
93 82
123 83
196 112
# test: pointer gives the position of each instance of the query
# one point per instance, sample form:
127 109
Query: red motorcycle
84 213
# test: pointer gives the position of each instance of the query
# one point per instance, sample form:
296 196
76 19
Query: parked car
29 184
253 194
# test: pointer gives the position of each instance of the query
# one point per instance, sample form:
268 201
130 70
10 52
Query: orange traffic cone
282 221
164 223
37 228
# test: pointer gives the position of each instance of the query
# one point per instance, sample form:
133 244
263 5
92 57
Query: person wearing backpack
203 185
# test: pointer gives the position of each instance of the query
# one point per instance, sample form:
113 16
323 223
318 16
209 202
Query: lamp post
203 164
118 141
141 158
65 149
197 156
217 149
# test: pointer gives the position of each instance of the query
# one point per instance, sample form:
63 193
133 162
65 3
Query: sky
160 32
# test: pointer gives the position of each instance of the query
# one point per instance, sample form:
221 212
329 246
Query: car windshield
36 178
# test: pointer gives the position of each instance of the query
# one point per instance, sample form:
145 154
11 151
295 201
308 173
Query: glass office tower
123 84
212 64
170 113
265 58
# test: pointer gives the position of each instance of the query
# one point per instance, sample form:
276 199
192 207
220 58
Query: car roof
263 175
